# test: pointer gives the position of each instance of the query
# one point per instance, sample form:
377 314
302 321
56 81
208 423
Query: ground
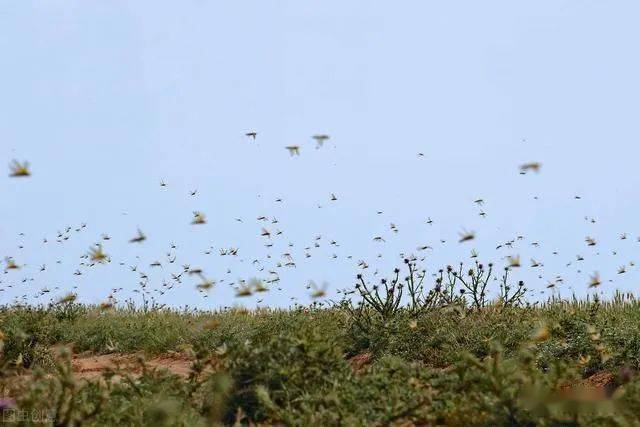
559 364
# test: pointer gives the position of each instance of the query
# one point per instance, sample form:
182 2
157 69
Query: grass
443 366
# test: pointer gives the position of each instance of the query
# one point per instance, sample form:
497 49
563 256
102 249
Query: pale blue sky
106 98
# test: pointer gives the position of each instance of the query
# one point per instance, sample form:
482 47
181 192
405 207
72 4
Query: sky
106 99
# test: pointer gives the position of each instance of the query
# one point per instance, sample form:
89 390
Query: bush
558 364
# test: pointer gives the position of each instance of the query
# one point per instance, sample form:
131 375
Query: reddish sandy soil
597 387
359 361
92 366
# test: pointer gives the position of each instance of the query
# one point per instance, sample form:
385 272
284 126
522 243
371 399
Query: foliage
451 364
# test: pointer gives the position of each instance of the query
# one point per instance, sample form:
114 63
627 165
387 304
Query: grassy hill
561 363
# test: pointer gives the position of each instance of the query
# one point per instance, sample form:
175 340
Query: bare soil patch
92 366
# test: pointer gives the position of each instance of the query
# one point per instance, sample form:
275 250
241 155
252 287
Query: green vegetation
447 365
